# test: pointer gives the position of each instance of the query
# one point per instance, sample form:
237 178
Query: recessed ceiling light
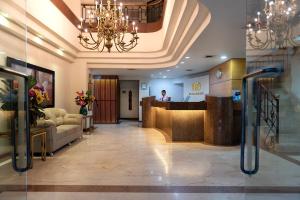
223 57
182 62
187 57
168 70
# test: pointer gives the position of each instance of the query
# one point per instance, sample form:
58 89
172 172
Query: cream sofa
62 128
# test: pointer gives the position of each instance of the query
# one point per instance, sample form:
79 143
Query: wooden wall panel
106 108
222 122
232 74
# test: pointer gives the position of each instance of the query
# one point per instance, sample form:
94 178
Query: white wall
174 88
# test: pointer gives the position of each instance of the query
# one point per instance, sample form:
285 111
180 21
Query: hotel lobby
149 99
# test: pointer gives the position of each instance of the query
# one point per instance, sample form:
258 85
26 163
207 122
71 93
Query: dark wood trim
130 119
143 28
66 11
152 189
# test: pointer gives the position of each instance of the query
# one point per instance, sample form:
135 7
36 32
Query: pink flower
32 93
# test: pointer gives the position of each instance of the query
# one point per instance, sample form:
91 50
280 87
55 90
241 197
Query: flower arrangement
38 98
83 99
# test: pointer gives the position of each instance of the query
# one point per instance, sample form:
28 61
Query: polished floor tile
126 154
145 196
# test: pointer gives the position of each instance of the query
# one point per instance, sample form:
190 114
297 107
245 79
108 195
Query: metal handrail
263 73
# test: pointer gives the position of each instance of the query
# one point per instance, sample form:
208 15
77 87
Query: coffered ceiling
192 30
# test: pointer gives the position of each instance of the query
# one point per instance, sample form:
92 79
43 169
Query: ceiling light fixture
182 62
223 57
273 27
187 57
107 26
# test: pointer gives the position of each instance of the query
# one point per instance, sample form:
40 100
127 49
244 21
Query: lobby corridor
127 162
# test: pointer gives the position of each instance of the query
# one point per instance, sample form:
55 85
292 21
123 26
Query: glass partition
14 129
273 30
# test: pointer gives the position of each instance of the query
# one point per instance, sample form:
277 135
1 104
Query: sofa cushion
49 115
55 114
59 121
66 130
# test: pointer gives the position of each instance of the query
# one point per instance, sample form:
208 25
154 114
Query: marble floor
124 157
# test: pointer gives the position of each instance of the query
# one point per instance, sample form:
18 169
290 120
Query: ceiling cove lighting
273 27
107 26
3 21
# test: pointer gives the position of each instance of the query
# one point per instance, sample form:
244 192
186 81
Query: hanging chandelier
273 28
107 26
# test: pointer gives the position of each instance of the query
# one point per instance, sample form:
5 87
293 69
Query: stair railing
270 113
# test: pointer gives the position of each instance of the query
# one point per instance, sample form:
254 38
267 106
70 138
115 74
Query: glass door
270 150
14 134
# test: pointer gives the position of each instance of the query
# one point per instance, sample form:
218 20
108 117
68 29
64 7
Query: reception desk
215 121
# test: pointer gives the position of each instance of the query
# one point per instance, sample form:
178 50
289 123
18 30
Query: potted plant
83 100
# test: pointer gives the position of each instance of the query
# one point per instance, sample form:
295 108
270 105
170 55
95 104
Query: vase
83 110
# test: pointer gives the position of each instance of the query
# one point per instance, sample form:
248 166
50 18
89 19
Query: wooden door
106 107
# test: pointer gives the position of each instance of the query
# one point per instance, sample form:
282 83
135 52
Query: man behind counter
164 96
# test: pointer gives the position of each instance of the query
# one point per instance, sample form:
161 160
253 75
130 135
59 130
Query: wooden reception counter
216 121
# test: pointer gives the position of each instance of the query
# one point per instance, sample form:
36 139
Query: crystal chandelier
272 28
105 27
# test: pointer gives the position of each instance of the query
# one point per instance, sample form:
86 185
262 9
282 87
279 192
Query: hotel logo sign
196 88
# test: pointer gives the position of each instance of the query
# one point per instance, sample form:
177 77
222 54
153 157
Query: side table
35 133
87 123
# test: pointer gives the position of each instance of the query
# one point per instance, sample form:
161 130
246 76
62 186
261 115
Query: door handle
14 133
255 138
266 72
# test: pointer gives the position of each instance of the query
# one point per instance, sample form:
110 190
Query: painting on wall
44 77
